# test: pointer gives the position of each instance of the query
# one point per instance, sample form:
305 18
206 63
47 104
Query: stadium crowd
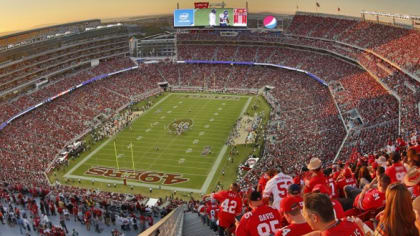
307 122
375 194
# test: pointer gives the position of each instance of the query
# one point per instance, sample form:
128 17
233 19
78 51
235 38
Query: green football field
186 161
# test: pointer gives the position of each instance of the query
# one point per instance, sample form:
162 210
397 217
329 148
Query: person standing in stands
318 212
315 176
261 220
262 182
230 205
277 186
397 171
338 208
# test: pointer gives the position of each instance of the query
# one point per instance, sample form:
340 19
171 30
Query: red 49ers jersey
260 222
230 204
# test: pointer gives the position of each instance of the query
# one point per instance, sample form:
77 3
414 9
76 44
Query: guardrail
170 225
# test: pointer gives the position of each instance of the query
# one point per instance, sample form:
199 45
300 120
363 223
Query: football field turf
184 162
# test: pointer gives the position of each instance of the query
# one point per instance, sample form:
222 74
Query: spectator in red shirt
230 205
335 193
397 171
318 211
346 179
262 220
264 179
212 212
338 208
291 209
316 176
372 198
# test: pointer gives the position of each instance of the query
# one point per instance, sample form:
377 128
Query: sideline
68 174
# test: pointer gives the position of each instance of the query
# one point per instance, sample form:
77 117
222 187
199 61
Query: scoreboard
211 17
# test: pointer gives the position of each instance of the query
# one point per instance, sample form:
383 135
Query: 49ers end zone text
142 176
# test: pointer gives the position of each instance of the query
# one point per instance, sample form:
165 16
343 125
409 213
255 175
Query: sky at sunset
17 15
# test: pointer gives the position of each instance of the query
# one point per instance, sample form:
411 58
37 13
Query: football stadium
210 118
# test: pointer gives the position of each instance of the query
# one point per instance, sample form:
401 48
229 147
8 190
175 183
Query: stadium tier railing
170 225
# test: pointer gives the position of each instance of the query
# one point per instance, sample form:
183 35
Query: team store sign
142 176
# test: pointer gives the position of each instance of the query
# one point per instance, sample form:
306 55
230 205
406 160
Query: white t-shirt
212 19
277 186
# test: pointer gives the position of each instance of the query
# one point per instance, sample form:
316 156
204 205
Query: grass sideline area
201 110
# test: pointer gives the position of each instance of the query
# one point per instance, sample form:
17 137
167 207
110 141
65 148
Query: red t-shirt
212 211
417 148
313 179
230 205
396 172
344 181
335 193
372 200
262 182
338 209
262 221
294 230
343 228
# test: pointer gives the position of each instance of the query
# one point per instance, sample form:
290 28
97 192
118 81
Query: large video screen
211 17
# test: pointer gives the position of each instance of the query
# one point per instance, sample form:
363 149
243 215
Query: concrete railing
170 225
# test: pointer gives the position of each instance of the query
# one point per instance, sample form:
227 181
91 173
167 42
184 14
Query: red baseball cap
321 188
290 203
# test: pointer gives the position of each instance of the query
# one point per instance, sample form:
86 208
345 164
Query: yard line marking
176 137
220 157
107 141
190 159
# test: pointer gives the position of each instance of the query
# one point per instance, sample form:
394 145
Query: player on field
277 186
261 220
224 18
230 205
212 18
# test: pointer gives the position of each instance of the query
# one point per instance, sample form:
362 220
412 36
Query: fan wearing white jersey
277 186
